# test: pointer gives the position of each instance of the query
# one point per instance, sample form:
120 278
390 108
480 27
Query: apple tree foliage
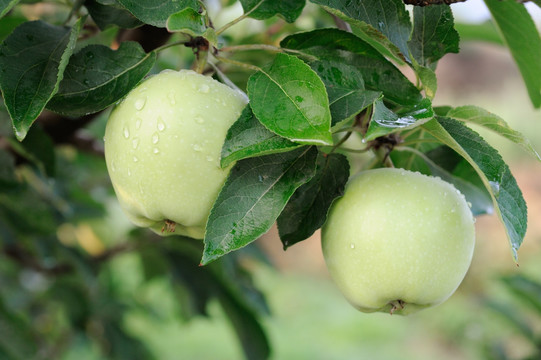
64 64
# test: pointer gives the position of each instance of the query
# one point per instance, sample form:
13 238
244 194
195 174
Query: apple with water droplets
162 149
398 241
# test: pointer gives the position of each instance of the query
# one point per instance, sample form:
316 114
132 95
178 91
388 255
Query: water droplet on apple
129 172
161 124
126 133
197 147
135 143
138 123
140 103
155 138
470 204
113 166
352 245
204 88
210 158
135 159
156 150
199 119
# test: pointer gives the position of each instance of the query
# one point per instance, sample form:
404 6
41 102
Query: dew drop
138 123
155 138
86 82
352 245
199 119
469 204
161 124
210 158
140 103
171 97
156 151
113 166
204 88
135 159
197 147
126 132
129 172
135 143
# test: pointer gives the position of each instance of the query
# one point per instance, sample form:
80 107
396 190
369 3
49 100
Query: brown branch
431 2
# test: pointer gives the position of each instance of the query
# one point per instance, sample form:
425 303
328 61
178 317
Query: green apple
398 241
162 148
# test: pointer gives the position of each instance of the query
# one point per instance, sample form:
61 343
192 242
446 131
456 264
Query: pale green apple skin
162 149
398 241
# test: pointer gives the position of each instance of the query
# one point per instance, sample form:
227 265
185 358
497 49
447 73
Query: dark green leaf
307 209
98 76
108 15
38 148
384 23
385 121
486 119
252 197
341 46
6 5
156 12
495 173
264 9
247 137
345 87
32 63
433 34
522 38
7 170
290 100
16 337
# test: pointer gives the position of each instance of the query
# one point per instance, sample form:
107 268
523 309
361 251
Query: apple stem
169 226
397 305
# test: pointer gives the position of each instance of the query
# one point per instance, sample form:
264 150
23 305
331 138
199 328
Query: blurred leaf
340 46
98 76
433 34
121 345
527 290
38 148
247 137
345 88
520 33
7 170
513 317
307 209
156 12
16 337
486 32
486 119
385 24
6 5
495 173
288 9
109 15
291 101
385 121
252 197
9 23
32 62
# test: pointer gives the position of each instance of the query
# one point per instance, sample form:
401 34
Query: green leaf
16 336
344 47
345 87
252 197
109 15
264 9
521 35
497 177
486 32
488 120
187 21
428 80
290 100
32 63
6 5
7 170
383 23
433 34
38 148
98 76
307 209
514 317
385 121
156 12
247 137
